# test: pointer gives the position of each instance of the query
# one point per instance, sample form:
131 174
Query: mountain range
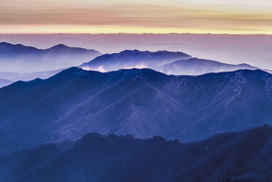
141 102
131 116
242 156
176 63
25 59
19 62
134 58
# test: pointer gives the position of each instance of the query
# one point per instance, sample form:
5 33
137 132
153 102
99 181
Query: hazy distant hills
176 63
19 62
143 103
4 82
243 156
195 66
13 76
24 59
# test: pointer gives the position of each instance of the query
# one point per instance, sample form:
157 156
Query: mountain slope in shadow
242 156
143 103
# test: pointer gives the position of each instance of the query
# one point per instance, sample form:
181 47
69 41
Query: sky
136 16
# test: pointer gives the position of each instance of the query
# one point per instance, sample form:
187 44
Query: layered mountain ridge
242 156
25 59
82 125
141 102
19 62
176 63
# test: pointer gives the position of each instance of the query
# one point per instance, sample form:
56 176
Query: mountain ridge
176 63
141 102
240 156
58 46
133 58
26 59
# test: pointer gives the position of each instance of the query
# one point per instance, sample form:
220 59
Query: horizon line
123 33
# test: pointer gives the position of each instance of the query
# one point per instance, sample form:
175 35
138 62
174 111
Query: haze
234 49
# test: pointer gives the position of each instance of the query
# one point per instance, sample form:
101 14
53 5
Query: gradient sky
136 16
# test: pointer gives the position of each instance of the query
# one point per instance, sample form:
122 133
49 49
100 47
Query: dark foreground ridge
242 156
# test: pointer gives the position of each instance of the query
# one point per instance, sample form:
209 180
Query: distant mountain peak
149 52
174 63
25 59
59 46
5 43
128 51
132 59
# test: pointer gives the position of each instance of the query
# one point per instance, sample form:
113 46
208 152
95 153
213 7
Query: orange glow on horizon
132 17
114 29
